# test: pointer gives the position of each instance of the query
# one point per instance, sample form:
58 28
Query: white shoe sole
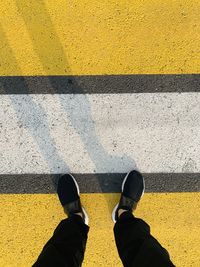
115 208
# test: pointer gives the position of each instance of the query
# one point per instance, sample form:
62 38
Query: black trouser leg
136 246
67 245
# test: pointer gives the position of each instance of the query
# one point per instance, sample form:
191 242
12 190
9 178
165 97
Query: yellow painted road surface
101 37
28 221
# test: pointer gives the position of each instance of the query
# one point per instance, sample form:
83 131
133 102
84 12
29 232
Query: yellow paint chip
28 221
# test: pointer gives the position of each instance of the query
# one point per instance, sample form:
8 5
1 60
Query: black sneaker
69 196
132 190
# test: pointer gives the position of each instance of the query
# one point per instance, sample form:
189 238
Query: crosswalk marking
100 133
96 87
87 37
29 220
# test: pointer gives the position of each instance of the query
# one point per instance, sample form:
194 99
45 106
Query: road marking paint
159 132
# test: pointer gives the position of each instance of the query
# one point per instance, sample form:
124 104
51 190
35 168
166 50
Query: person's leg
136 246
67 245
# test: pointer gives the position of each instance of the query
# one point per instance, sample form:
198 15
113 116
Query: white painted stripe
100 133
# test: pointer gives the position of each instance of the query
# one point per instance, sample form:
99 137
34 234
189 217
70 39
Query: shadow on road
41 30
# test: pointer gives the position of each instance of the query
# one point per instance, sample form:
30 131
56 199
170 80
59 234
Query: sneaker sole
115 208
78 190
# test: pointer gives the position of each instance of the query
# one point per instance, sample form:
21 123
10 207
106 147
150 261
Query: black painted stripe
101 84
97 183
